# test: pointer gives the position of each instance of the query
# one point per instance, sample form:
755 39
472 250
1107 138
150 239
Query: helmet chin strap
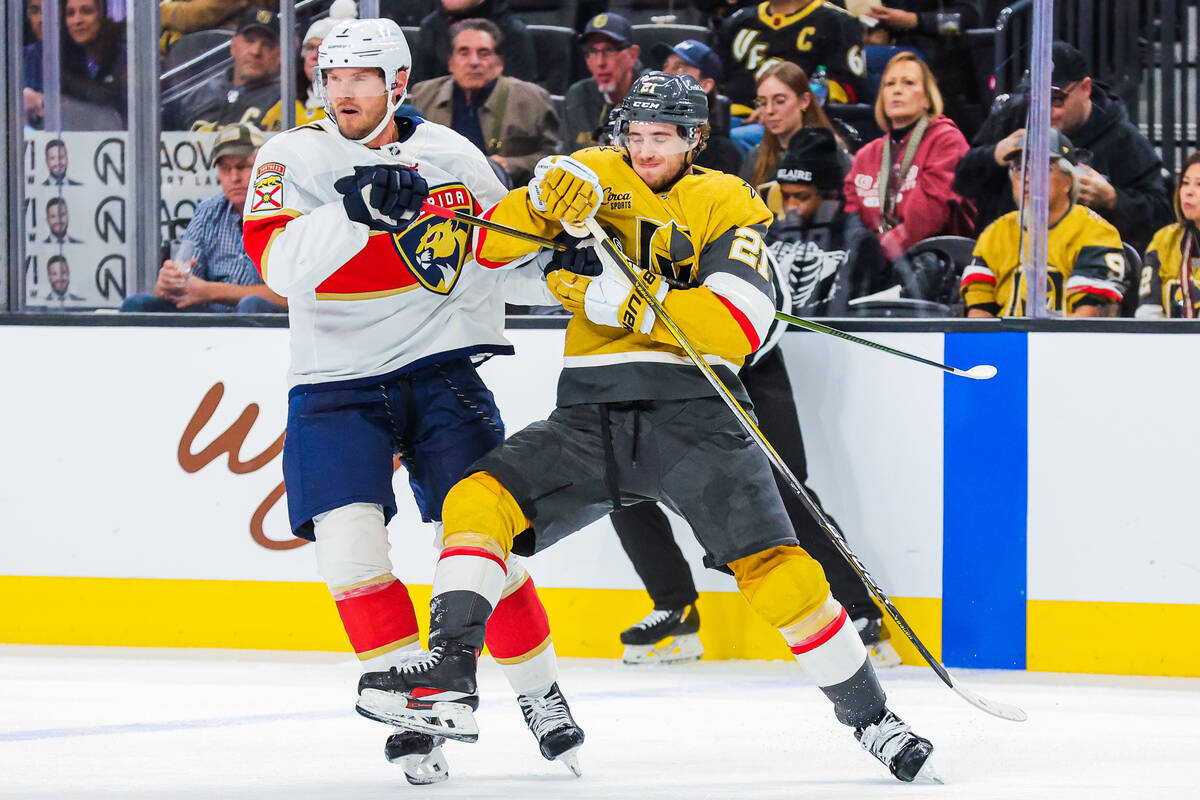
383 123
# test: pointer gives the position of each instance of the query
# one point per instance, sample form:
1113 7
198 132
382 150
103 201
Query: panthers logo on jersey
433 248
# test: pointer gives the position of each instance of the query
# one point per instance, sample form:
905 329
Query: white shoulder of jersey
452 152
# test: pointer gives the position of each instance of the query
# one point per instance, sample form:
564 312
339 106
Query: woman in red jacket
900 183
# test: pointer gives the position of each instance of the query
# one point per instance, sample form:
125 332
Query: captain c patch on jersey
268 188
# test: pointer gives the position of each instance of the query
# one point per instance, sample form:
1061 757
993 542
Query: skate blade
570 760
671 650
927 774
422 770
883 654
452 720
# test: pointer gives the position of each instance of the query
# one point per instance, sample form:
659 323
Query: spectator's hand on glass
501 162
35 107
1007 145
894 18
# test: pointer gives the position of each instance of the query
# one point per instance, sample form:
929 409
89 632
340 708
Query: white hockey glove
564 189
612 300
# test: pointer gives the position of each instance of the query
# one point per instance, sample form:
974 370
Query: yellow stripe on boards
1113 638
283 615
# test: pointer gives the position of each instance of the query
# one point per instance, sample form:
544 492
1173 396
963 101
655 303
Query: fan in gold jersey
1086 258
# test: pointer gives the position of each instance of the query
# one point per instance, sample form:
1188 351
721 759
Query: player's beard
359 125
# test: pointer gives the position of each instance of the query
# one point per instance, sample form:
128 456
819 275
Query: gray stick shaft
819 328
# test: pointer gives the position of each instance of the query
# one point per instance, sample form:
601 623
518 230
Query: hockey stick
487 224
979 372
1002 710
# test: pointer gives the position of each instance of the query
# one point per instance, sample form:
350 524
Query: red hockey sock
519 628
378 617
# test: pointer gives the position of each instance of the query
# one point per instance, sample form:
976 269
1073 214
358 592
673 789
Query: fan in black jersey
811 33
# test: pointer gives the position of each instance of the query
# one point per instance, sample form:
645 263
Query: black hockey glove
580 258
383 196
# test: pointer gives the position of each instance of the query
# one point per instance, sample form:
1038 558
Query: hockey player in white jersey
388 314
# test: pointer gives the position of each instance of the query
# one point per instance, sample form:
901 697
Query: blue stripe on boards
985 501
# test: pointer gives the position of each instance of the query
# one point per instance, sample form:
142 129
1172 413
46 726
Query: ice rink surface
100 722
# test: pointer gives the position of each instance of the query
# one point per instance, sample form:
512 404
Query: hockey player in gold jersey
1086 258
636 421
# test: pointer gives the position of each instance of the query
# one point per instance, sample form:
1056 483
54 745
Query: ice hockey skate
665 636
905 754
419 755
434 694
878 643
549 719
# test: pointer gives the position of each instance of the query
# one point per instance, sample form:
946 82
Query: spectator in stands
1086 260
785 106
57 220
407 13
59 273
249 91
806 32
308 106
511 121
92 62
431 50
900 183
33 21
1170 285
695 58
223 277
825 256
1123 182
180 17
934 28
612 58
57 163
717 11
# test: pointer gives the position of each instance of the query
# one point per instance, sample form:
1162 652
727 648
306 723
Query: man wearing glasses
1120 174
612 58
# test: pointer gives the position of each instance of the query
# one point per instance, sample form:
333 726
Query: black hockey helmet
659 97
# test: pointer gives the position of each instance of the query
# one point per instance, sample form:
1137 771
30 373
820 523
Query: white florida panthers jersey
365 303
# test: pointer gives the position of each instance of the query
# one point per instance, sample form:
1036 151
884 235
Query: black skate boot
434 693
878 643
419 754
892 741
549 718
665 636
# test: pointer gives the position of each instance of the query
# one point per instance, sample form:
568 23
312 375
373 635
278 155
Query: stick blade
980 372
993 707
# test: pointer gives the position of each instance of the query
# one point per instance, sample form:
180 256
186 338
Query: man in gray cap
218 276
612 58
249 91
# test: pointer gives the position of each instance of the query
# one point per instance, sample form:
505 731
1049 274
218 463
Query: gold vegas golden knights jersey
1162 279
705 234
1087 265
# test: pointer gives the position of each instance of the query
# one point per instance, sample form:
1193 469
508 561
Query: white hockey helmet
364 43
